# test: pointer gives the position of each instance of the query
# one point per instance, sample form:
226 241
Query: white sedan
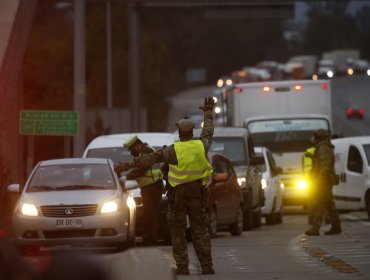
272 187
74 201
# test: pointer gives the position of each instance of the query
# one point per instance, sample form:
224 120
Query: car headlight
263 183
109 207
130 202
241 180
28 209
302 184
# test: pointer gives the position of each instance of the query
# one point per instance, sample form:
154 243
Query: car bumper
294 196
96 229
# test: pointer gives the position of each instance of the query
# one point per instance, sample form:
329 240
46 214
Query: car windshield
72 177
367 152
232 147
288 135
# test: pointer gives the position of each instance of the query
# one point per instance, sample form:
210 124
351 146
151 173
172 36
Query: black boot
312 231
333 231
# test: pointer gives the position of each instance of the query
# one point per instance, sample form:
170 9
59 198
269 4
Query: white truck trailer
282 116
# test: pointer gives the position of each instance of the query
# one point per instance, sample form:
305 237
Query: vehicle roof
62 161
286 116
225 131
157 139
280 83
359 139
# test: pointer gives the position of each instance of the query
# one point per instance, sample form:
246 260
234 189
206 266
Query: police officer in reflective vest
307 168
151 186
188 174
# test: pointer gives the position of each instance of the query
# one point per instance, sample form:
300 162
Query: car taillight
324 86
238 90
349 111
361 112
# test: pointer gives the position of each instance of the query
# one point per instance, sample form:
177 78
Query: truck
282 116
341 59
308 65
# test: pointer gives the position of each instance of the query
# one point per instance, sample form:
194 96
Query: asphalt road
271 252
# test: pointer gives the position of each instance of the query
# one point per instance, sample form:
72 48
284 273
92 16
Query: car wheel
367 201
212 222
271 219
279 217
237 227
247 213
257 216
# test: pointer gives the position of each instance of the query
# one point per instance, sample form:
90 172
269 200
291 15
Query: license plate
68 223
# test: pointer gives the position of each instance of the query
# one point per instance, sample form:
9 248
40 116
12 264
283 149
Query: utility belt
193 184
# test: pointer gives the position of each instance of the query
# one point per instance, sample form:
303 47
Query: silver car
74 201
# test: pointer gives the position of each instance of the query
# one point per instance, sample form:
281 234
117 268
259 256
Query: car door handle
343 177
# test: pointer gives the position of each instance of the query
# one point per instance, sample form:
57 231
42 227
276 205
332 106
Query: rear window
232 147
116 154
367 152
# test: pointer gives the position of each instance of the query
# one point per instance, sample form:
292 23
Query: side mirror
219 177
13 188
258 160
130 185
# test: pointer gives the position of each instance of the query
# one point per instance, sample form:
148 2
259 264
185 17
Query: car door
220 191
354 178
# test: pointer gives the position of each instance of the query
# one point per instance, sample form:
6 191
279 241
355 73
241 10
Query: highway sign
57 123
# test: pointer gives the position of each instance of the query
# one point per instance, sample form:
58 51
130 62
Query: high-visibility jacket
307 161
192 163
151 175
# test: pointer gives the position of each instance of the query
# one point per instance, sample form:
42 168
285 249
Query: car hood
241 170
77 197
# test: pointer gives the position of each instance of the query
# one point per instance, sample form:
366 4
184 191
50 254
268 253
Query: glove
209 102
121 167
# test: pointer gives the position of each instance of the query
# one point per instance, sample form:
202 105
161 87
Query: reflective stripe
192 163
151 175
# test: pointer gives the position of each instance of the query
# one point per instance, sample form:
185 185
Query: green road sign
58 123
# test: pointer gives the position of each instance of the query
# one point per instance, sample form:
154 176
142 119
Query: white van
352 164
111 146
272 187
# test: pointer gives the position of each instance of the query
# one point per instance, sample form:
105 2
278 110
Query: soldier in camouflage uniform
188 174
324 178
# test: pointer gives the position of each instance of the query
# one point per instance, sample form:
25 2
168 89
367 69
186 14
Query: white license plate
69 223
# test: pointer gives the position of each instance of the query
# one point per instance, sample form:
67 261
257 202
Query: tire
212 222
247 212
257 216
279 217
367 201
237 227
121 246
271 219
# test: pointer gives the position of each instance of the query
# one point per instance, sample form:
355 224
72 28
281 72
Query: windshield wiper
41 188
81 187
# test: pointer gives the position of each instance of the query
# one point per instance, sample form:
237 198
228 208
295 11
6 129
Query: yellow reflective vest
307 161
192 163
151 175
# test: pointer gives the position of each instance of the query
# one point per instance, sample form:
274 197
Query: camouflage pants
324 204
190 199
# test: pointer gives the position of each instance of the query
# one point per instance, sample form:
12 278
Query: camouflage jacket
323 163
168 154
138 172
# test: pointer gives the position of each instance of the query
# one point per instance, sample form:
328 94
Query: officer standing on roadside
151 186
324 178
188 174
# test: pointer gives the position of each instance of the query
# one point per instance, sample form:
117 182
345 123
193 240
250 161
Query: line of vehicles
256 159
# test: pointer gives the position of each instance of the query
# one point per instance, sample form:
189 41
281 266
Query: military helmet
185 125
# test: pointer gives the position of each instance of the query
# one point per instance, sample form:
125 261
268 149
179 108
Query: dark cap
185 125
321 134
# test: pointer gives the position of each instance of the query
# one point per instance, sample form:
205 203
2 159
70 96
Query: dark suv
235 143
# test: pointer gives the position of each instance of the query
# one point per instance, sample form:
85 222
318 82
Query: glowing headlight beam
28 209
109 207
